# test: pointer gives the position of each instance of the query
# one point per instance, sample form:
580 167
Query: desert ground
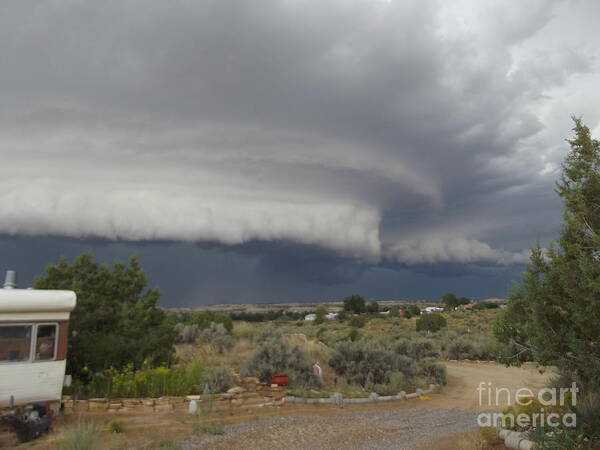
442 420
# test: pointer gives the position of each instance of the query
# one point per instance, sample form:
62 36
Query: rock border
516 440
339 400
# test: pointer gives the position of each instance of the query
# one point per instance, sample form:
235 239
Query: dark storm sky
290 150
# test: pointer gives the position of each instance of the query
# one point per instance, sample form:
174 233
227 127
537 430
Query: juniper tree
554 313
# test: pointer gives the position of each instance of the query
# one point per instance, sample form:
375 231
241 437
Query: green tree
372 307
115 321
321 312
431 322
355 304
554 312
451 301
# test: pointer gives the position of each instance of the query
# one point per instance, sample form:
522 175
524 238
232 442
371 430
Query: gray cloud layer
396 132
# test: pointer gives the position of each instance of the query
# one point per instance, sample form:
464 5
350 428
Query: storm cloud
374 133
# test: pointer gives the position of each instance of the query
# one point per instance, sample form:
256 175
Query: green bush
276 355
146 382
431 322
217 379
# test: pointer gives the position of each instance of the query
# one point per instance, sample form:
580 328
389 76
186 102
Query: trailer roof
36 301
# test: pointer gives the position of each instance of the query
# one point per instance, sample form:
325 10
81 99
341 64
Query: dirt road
399 425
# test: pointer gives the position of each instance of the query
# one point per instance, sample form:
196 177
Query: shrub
431 322
116 425
476 346
461 348
381 368
217 378
187 334
432 370
269 332
275 355
363 361
217 336
397 382
416 348
358 321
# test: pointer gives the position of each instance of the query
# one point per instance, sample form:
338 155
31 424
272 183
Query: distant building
431 309
310 317
385 313
331 316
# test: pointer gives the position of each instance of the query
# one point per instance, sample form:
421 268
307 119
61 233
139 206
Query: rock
236 390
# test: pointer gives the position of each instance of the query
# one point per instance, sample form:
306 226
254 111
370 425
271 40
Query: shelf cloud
413 132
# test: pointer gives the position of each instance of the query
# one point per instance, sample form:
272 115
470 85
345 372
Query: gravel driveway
383 429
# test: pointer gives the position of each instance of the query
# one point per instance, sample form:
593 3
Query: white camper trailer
34 327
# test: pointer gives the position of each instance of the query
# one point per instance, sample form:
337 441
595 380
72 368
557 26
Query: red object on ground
280 379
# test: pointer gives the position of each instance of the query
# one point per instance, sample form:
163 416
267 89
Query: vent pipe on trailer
10 282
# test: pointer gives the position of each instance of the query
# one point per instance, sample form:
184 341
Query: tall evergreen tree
554 313
116 321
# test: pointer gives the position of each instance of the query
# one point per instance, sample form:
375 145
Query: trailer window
15 342
45 344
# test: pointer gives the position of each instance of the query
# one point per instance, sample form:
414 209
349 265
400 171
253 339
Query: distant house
403 313
310 317
431 309
331 316
385 313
